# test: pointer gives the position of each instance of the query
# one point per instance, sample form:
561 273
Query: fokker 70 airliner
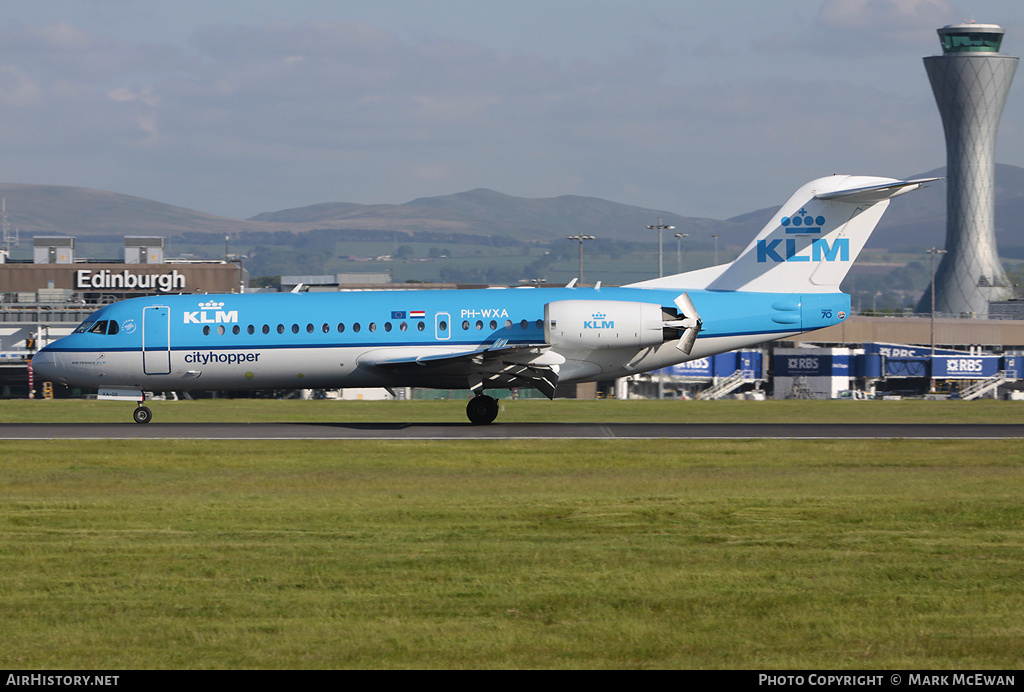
784 283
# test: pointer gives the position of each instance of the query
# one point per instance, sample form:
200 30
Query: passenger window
206 330
524 324
494 325
479 324
251 329
403 326
235 329
355 326
266 329
341 327
220 329
387 326
373 326
326 328
280 329
420 326
540 324
465 325
295 329
310 328
508 324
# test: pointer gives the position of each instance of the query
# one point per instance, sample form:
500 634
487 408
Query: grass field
521 411
504 554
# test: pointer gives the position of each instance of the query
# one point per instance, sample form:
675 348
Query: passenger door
156 340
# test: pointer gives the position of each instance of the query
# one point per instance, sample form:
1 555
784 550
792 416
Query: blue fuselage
337 339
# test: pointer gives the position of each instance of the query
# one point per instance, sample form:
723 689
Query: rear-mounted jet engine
601 324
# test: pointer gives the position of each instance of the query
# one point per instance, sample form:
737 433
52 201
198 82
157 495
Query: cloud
884 15
144 95
17 90
855 27
64 36
64 52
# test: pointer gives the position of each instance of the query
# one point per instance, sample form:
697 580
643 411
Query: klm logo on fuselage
820 250
210 313
599 322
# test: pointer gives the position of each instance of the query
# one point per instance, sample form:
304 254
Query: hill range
914 222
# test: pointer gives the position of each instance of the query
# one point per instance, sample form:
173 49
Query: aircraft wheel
142 414
482 409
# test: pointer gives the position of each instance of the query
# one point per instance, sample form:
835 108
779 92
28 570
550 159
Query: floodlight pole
659 227
580 237
933 252
679 255
931 362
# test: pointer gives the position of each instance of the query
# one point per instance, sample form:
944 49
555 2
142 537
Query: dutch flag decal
417 314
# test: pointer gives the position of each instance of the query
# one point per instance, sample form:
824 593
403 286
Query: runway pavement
499 431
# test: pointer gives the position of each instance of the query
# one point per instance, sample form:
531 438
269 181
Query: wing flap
499 364
397 359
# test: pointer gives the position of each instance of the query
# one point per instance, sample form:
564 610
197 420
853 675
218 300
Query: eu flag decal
398 314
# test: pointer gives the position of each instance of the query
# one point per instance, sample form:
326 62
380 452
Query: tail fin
811 242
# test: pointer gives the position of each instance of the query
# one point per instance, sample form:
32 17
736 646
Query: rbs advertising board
965 367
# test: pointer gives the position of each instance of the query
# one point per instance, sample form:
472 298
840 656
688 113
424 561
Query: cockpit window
101 327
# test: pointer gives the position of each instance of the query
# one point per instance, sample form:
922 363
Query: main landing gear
482 409
142 414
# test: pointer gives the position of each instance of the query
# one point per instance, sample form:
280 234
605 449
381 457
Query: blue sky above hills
238 107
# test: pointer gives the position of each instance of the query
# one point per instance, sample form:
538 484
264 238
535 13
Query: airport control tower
970 80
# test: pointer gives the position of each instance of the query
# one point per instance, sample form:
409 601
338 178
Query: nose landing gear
142 414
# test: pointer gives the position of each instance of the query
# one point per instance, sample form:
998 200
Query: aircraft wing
499 364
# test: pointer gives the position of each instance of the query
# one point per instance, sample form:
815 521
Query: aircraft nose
46 364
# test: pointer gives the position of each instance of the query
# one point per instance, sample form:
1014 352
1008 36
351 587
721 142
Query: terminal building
868 371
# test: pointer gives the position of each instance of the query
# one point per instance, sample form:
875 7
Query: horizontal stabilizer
876 193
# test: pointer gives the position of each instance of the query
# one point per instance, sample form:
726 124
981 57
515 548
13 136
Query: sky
704 109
